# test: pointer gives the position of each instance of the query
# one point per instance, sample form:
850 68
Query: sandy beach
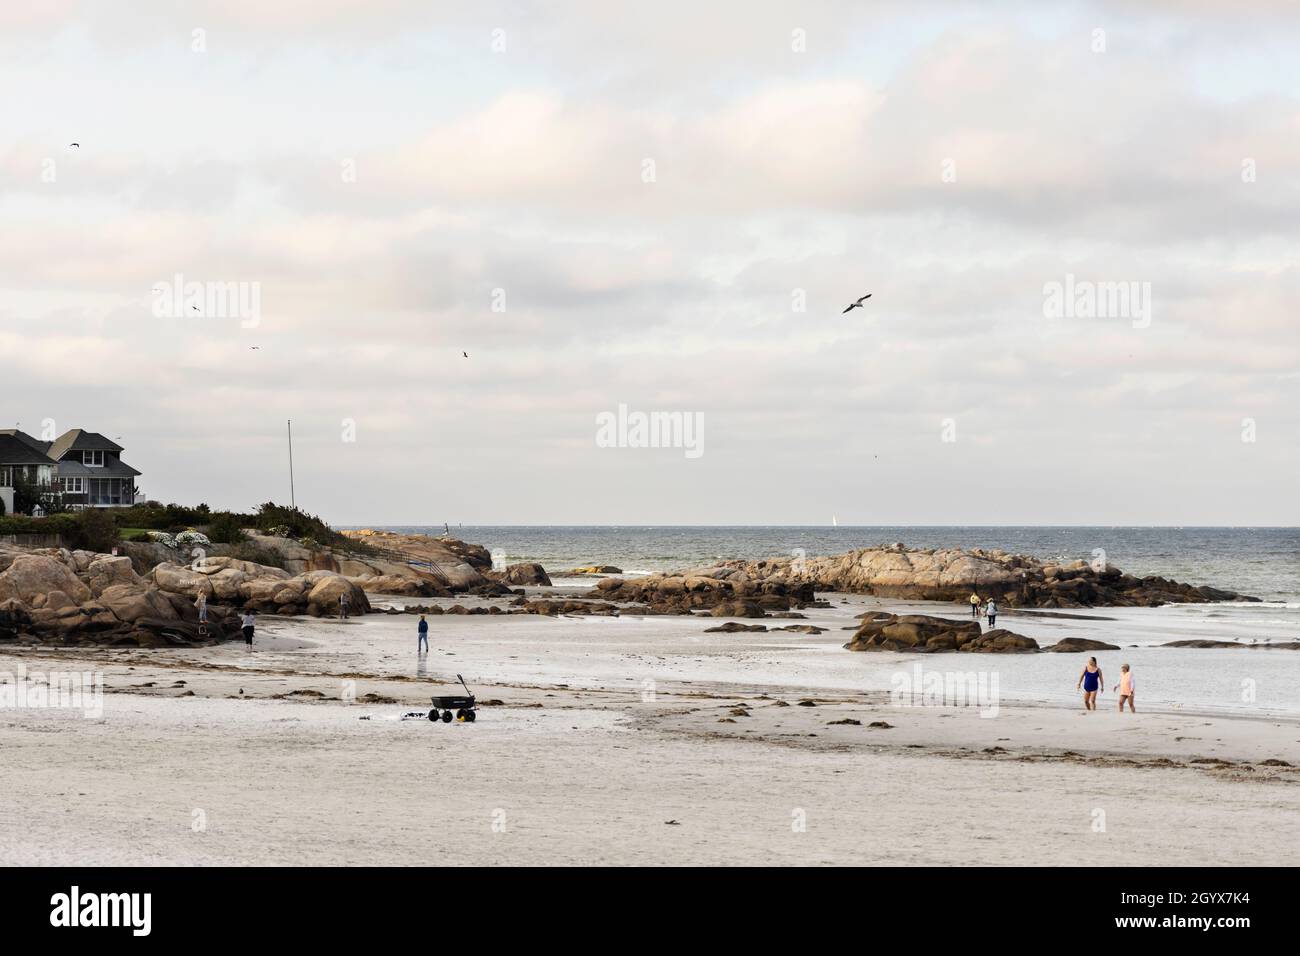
646 741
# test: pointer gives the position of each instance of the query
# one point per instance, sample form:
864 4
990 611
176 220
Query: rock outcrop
920 633
56 595
460 565
528 573
896 571
724 592
1074 645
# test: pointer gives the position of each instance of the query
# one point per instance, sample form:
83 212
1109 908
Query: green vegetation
225 528
106 527
251 552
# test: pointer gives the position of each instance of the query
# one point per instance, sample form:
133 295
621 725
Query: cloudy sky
664 206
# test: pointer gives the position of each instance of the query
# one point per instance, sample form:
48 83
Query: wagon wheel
470 716
460 715
446 716
433 714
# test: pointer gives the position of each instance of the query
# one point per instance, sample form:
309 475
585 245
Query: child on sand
1126 689
1092 683
249 622
974 605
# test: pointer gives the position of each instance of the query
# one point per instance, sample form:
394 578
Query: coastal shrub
273 518
225 528
94 530
61 524
160 517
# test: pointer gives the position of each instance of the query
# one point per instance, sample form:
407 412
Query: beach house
84 467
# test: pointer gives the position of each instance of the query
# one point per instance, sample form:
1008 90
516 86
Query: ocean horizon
1262 562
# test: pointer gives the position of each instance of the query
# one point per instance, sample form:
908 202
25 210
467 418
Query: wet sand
595 733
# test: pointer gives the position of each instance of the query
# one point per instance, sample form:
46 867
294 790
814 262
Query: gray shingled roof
15 451
42 446
77 439
110 469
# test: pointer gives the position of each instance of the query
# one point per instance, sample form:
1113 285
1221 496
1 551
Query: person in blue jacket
423 643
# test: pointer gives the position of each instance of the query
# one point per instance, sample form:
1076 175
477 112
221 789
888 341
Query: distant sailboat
834 522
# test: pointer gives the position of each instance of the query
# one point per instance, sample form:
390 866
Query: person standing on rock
422 645
1126 689
974 605
249 622
992 611
1091 681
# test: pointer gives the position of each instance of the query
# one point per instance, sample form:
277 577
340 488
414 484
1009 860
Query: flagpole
293 502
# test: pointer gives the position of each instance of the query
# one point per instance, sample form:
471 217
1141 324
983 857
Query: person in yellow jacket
974 605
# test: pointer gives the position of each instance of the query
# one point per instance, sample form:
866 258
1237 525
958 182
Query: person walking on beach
1092 682
992 611
1126 689
249 622
344 600
974 605
423 643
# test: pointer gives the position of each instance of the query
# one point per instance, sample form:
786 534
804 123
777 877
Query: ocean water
1260 562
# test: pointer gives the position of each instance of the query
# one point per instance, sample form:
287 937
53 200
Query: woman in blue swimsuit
1091 681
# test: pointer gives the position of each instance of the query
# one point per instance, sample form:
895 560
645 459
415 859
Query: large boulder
1001 641
129 603
106 571
1073 645
920 633
527 573
182 580
30 575
325 592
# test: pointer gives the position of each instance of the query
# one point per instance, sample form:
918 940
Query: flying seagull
466 354
78 145
858 304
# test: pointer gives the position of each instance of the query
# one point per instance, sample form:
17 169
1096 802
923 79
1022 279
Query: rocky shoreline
147 595
953 574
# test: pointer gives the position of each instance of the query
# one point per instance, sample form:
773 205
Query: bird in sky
466 354
858 304
254 347
78 145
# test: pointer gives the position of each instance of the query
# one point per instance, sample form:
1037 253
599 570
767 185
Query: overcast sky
626 204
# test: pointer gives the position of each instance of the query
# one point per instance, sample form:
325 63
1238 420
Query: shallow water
645 653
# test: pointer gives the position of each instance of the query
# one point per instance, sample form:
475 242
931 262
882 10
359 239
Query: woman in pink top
1126 689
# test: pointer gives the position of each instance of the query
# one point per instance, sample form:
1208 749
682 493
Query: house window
93 459
73 486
